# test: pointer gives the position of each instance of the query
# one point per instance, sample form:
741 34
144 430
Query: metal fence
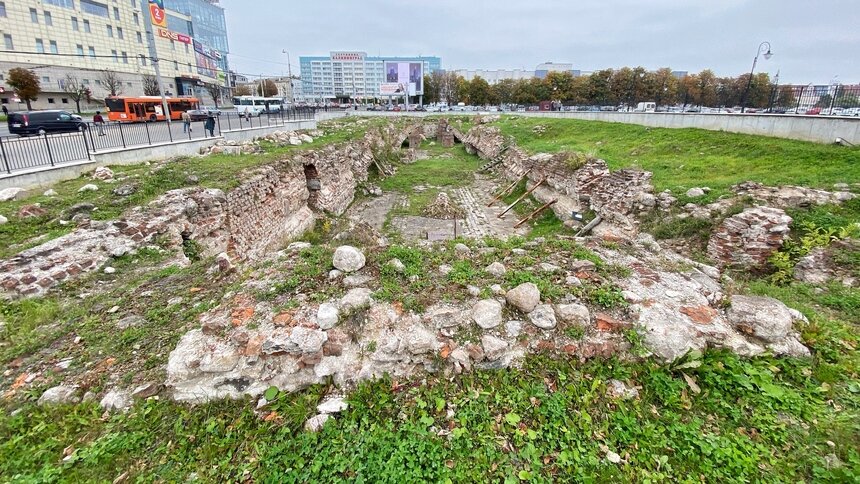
22 153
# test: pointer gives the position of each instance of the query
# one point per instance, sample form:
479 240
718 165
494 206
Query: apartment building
86 38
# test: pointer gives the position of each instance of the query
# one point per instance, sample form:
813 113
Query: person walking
99 121
5 110
209 125
186 122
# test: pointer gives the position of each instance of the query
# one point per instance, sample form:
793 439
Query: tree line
610 87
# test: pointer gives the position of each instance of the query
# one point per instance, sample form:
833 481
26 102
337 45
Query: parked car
41 122
211 110
813 111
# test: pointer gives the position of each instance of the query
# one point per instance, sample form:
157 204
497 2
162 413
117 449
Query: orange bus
147 108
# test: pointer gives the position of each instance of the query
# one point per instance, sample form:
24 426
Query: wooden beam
534 214
508 189
590 226
524 195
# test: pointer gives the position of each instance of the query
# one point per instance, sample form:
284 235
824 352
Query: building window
2 9
7 41
94 8
54 49
92 51
87 26
172 45
186 48
115 56
110 31
85 82
142 59
80 50
61 3
49 21
40 46
75 25
139 38
128 84
50 100
125 57
65 100
46 79
119 33
175 66
115 13
136 18
34 16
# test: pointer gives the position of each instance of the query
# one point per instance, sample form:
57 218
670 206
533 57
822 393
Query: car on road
813 111
198 114
28 123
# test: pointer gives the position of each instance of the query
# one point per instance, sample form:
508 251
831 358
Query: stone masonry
748 239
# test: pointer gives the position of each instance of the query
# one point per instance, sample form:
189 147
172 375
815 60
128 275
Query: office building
350 75
83 39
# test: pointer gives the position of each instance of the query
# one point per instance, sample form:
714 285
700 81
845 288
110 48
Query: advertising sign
409 74
156 13
206 59
391 89
164 33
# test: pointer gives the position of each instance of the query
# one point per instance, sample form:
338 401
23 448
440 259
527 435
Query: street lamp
290 73
767 55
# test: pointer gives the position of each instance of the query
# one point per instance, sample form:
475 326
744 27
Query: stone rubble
748 239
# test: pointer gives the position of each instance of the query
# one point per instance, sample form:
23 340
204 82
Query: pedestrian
99 121
5 110
247 114
186 122
209 125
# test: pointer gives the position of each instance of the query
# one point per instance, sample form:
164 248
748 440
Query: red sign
164 33
157 14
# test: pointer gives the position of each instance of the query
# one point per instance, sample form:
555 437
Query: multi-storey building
350 75
83 39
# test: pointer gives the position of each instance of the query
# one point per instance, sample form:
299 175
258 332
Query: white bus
256 105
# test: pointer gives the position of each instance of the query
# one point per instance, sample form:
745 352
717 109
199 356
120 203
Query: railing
42 150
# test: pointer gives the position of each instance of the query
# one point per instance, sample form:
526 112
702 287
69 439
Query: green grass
446 169
684 158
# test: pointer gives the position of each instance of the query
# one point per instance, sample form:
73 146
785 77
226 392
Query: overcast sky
813 40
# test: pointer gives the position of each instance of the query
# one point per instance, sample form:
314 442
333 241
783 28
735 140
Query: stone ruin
675 311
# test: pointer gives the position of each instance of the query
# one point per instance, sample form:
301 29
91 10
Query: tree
665 87
560 84
267 88
706 88
214 90
150 85
786 98
431 89
76 91
242 90
25 83
503 91
597 87
111 82
478 92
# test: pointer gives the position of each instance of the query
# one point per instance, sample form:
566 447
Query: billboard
166 34
409 75
156 12
207 64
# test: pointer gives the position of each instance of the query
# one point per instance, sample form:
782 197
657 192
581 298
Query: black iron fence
40 150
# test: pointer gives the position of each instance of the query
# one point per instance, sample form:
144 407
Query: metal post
84 139
50 155
6 160
153 54
799 97
833 99
92 141
229 123
219 126
148 137
170 132
121 136
749 81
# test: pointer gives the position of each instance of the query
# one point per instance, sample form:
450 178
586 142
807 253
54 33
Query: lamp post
290 73
767 55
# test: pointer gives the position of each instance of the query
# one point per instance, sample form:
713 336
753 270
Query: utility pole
153 56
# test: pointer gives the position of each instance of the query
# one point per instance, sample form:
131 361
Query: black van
40 122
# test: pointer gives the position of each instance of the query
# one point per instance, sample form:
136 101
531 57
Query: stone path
482 221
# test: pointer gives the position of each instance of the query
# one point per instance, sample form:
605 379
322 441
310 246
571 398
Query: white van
646 107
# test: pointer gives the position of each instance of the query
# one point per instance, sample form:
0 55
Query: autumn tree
597 88
150 85
267 88
111 82
785 98
665 87
478 92
242 90
503 91
431 89
76 91
25 83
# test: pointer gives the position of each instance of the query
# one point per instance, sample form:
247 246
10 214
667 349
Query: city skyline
809 43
